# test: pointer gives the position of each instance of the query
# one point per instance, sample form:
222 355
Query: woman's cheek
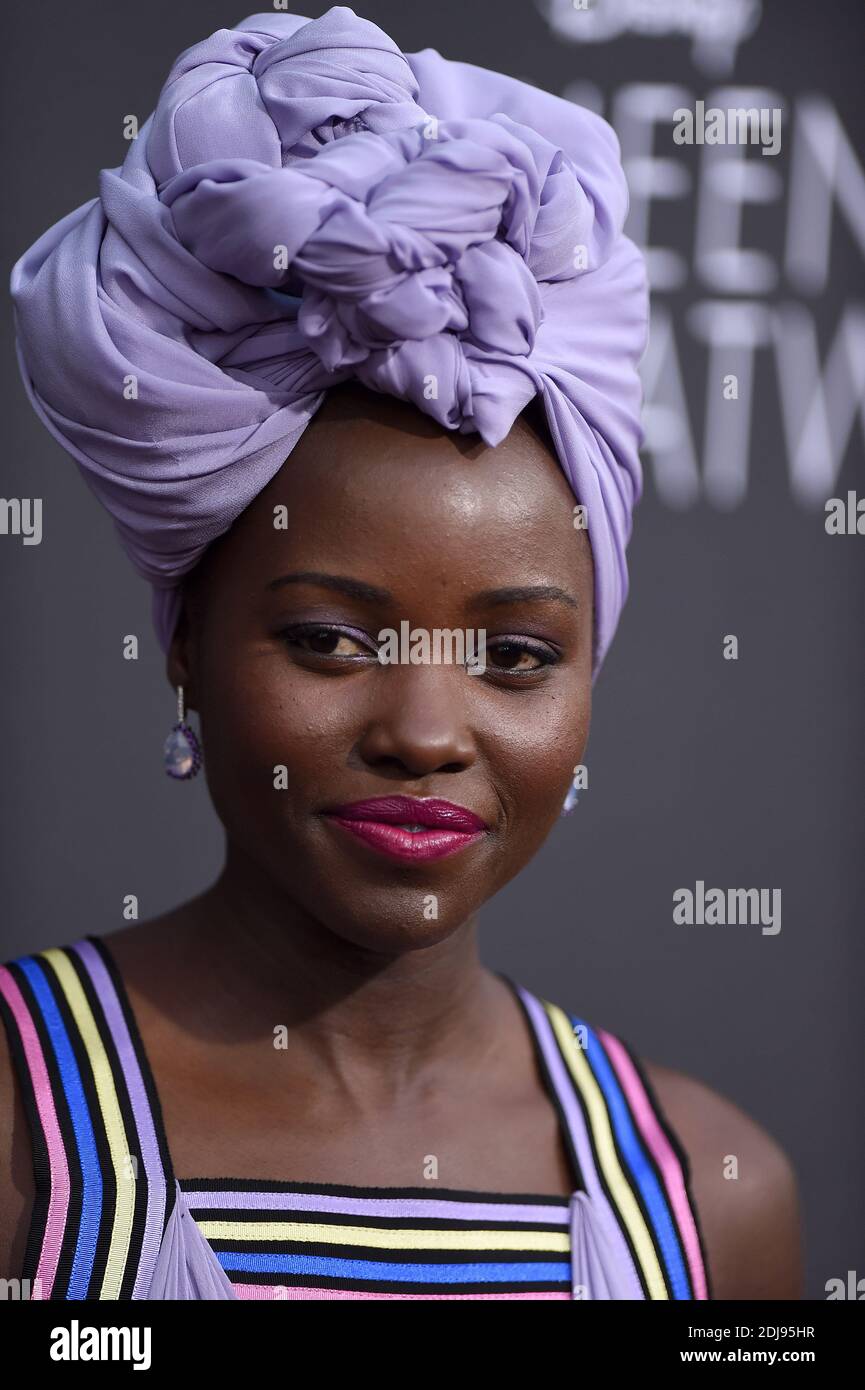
279 753
533 763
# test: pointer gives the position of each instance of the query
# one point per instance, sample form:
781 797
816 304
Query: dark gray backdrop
741 773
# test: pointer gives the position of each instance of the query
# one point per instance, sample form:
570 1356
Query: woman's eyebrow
371 593
354 588
524 593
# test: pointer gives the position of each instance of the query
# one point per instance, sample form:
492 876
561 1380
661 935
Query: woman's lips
407 844
442 827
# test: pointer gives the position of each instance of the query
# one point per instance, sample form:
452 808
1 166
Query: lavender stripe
564 1086
156 1195
419 1208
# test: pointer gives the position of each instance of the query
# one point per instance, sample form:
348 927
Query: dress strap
103 1177
634 1170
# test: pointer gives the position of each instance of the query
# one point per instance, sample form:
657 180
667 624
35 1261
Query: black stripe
549 1084
681 1155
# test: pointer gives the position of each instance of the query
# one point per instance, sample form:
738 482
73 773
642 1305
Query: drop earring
577 784
182 749
570 801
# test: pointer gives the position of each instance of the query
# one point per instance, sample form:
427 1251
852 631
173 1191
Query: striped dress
112 1220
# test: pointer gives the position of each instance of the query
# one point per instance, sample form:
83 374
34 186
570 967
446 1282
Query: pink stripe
58 1202
268 1291
659 1146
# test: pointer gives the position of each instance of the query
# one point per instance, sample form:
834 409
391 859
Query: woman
345 341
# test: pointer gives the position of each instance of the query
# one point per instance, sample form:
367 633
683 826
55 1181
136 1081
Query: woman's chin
394 919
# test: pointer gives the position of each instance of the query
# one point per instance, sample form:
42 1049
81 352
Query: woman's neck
262 963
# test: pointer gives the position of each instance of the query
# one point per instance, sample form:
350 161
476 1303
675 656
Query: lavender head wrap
309 204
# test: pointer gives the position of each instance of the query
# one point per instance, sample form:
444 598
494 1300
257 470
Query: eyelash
293 636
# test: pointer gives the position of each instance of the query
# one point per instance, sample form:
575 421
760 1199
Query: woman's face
408 523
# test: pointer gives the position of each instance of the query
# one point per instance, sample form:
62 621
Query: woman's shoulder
743 1186
740 1183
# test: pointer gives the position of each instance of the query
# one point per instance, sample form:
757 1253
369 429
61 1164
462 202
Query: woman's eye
505 656
326 641
518 656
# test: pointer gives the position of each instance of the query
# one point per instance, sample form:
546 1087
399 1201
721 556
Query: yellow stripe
121 1231
385 1238
599 1119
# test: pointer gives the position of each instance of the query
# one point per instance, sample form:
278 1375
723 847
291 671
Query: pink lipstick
408 827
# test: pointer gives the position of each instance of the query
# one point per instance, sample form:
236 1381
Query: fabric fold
187 1267
595 1270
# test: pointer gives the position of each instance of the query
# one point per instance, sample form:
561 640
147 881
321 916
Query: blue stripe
257 1262
642 1172
91 1207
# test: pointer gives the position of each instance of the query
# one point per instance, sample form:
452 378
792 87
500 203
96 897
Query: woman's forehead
376 449
375 485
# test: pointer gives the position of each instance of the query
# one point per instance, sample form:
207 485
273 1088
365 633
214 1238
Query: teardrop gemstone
570 801
182 753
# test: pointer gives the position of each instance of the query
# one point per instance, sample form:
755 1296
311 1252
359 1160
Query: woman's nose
418 720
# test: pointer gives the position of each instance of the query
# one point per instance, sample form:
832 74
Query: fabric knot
306 204
386 238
